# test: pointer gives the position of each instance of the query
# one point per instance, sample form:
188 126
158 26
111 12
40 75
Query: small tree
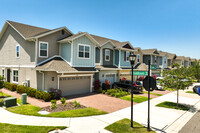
178 78
195 71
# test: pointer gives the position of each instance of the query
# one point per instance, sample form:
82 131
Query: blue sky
168 25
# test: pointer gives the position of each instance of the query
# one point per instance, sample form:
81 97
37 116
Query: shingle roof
162 53
28 30
55 64
170 55
148 51
71 37
187 58
180 58
193 60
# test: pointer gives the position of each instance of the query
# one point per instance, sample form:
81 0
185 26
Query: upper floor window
138 58
43 49
15 76
3 72
155 58
83 51
127 56
17 51
107 55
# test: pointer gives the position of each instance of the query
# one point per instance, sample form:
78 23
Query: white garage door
111 78
74 85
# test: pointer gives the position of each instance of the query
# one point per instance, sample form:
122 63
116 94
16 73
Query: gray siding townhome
44 59
170 59
179 60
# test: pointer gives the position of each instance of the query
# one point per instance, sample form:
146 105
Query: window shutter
124 55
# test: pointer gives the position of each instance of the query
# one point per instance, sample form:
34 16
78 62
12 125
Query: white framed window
138 58
3 72
127 55
84 51
17 51
15 76
107 55
43 49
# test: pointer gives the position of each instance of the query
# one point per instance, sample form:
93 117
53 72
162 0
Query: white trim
105 54
28 66
94 55
58 82
108 42
119 65
101 56
47 59
13 75
128 56
91 81
72 51
129 44
73 72
66 61
84 45
3 75
16 51
125 49
47 49
82 66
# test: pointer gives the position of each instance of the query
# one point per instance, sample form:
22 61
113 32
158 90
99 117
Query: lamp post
132 58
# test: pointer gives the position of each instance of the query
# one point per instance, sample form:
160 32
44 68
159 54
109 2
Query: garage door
75 85
111 78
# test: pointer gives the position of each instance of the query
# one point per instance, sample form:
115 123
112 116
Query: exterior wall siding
8 44
102 76
110 62
53 46
48 80
141 56
124 63
146 58
78 62
66 51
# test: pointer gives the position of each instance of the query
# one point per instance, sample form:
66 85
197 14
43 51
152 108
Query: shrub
46 96
107 82
53 104
103 86
13 87
63 100
6 85
76 104
97 85
39 94
21 89
52 95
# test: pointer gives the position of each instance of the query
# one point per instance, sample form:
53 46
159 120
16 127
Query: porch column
119 59
58 82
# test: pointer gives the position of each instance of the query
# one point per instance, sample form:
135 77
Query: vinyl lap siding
66 51
78 62
117 57
124 63
97 55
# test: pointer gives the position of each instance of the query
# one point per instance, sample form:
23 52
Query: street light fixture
132 58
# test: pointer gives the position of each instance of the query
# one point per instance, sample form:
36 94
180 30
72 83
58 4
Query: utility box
24 98
10 101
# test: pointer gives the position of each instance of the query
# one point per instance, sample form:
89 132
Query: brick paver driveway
101 101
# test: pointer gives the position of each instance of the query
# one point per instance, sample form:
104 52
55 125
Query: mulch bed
60 107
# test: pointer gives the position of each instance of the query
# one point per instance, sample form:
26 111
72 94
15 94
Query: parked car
195 87
158 85
126 85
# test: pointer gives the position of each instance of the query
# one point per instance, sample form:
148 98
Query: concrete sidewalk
162 119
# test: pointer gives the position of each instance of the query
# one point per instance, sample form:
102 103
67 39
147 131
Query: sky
168 25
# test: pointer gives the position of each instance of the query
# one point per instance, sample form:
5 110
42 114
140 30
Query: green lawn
172 105
146 92
32 110
190 92
136 98
123 126
9 128
3 94
169 89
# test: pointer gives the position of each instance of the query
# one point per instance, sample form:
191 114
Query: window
127 56
3 73
138 58
84 51
155 59
43 49
107 55
17 51
15 76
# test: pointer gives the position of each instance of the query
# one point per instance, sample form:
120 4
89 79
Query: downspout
43 86
36 49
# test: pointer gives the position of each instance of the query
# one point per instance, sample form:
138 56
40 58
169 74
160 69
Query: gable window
43 49
138 58
3 72
15 76
107 55
83 51
17 51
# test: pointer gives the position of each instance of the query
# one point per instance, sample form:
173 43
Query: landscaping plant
63 101
195 71
1 82
76 104
177 78
53 104
97 85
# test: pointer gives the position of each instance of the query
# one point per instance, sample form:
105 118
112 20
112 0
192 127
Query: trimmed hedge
29 91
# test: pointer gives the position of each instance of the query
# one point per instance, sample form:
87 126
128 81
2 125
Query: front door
8 75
